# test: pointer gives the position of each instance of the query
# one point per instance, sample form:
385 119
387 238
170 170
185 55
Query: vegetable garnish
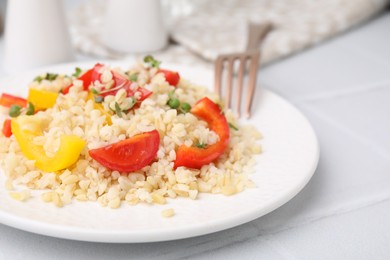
30 109
7 132
14 111
195 157
130 154
173 103
233 126
47 76
42 99
172 77
77 72
200 145
118 110
185 107
8 100
133 77
66 155
152 62
94 91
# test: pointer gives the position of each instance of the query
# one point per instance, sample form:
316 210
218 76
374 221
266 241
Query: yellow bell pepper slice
26 128
42 99
100 107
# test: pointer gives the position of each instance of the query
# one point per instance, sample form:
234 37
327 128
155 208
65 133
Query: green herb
14 110
173 103
98 99
30 109
200 145
94 91
151 61
133 77
38 79
233 126
77 72
51 76
118 110
185 107
48 76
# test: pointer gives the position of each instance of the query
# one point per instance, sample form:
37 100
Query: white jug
134 26
36 34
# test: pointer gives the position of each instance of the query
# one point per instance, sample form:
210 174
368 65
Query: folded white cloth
211 28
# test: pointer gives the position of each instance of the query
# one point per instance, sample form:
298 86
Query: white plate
289 160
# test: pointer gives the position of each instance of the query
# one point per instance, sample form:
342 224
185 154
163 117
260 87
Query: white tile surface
367 114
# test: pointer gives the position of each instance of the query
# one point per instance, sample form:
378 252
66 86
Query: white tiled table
343 87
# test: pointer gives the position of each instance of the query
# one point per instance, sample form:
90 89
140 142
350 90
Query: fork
251 57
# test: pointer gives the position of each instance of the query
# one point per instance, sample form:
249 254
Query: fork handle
256 34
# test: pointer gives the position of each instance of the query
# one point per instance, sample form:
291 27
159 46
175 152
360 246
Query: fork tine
230 77
240 81
254 63
218 75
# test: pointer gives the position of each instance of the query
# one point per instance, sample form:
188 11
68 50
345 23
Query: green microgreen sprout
30 109
48 76
152 62
133 77
200 145
77 72
94 91
118 110
233 127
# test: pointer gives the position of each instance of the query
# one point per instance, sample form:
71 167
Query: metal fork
251 57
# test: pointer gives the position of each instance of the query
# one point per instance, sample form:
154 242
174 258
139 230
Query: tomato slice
88 77
130 154
7 132
172 77
195 157
8 100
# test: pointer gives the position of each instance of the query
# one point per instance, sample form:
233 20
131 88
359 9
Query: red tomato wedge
195 157
172 77
8 100
130 154
88 77
7 132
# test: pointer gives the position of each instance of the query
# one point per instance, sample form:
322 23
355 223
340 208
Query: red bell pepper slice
8 100
130 154
172 77
7 132
196 157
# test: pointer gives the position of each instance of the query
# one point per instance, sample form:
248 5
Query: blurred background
198 31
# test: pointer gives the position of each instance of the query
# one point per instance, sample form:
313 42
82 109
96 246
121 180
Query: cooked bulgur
87 180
